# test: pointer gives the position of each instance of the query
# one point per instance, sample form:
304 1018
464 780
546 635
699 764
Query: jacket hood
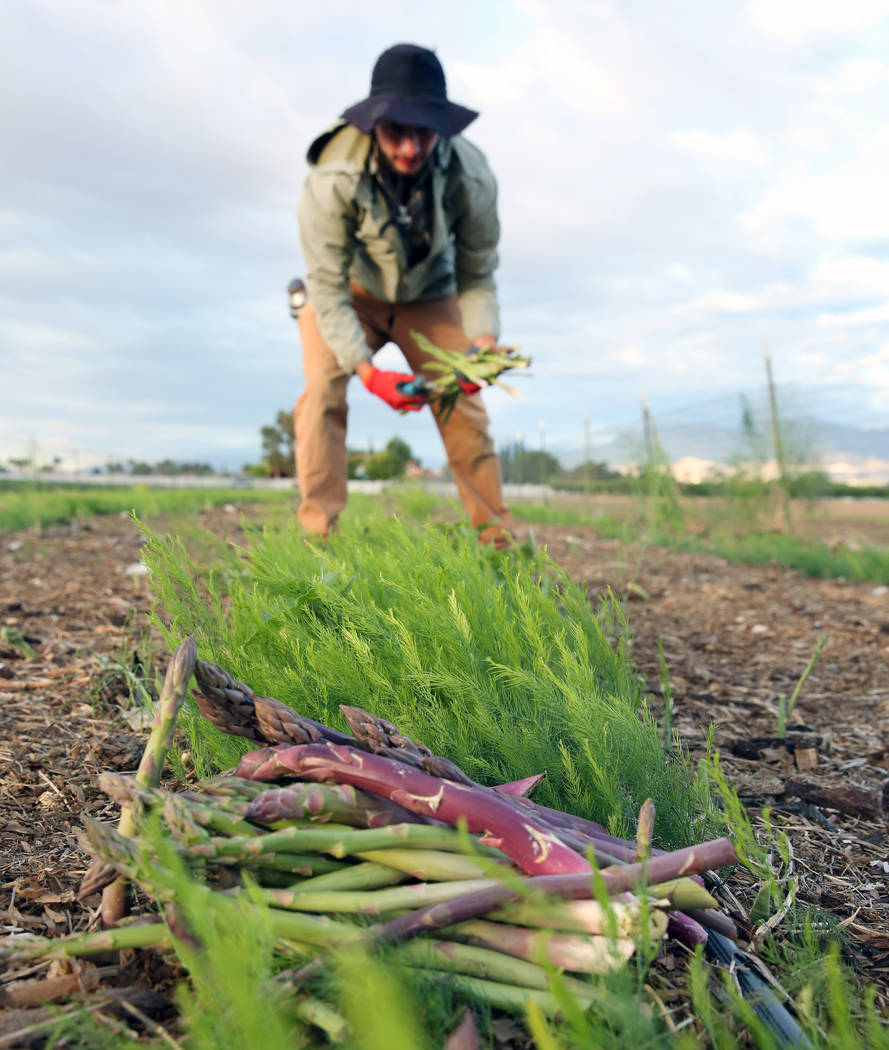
341 144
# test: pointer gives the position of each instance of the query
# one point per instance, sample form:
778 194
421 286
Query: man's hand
390 387
483 342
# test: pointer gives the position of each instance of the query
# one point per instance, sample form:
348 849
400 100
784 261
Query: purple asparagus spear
527 842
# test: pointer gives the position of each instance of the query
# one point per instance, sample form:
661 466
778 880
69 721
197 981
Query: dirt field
735 639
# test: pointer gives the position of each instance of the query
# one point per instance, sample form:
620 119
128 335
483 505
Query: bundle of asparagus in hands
330 829
482 367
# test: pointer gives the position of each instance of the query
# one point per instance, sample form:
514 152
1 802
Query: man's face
405 146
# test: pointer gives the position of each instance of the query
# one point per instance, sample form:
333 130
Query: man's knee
322 401
466 435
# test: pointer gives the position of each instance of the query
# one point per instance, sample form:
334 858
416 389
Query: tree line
278 442
518 464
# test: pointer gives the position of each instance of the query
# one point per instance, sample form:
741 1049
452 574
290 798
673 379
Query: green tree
172 467
389 463
525 466
279 446
595 470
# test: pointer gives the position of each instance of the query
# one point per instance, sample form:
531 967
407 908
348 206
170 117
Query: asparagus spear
228 787
234 708
520 788
644 830
128 791
429 865
321 1015
374 902
515 998
337 841
686 930
305 865
475 961
576 952
416 791
714 920
692 860
531 845
368 875
133 935
621 918
172 697
325 802
320 931
383 738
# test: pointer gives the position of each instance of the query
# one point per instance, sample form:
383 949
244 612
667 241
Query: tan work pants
321 412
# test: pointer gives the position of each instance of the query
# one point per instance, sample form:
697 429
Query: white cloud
583 88
38 345
871 370
812 360
734 148
853 275
680 272
861 75
869 374
848 200
799 21
631 355
809 138
720 302
831 181
554 70
853 318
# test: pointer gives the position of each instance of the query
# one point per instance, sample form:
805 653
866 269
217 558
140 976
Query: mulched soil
735 639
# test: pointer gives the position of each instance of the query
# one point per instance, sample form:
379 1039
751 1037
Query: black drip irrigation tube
758 992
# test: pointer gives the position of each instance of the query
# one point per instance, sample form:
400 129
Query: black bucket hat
408 86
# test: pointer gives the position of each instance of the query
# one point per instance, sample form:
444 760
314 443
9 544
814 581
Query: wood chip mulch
735 639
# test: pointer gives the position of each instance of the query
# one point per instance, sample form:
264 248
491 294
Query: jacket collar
345 147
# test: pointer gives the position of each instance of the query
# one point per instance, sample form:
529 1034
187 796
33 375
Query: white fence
446 489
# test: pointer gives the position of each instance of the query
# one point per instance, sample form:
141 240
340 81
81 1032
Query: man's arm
327 231
476 234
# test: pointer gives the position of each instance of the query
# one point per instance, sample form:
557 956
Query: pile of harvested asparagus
330 828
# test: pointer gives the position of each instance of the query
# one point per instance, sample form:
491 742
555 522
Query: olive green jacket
347 235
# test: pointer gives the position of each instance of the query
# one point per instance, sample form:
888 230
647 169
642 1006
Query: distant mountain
845 452
838 437
808 440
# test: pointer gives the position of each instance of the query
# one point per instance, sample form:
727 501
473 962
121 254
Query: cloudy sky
678 184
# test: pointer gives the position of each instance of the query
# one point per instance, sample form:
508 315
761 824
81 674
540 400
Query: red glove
389 386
